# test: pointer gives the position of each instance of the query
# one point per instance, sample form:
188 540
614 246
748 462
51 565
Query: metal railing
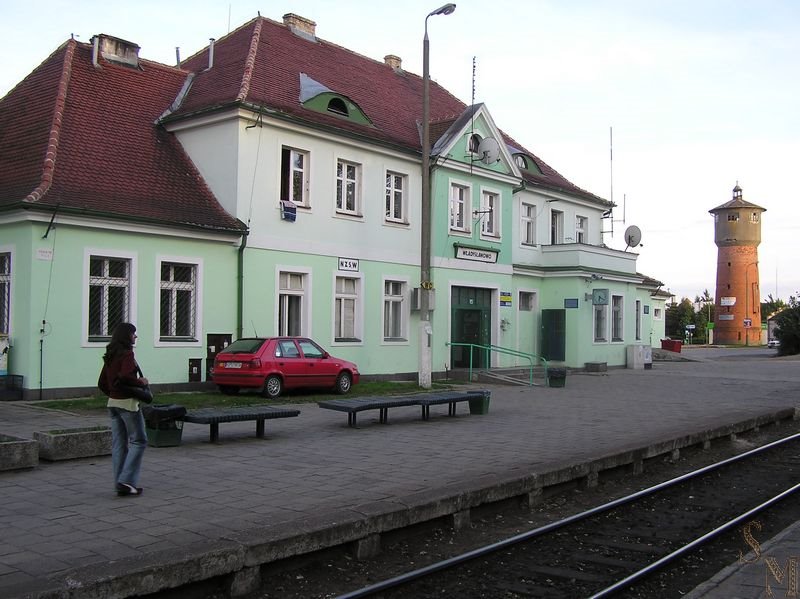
532 358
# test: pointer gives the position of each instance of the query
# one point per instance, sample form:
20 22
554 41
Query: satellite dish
633 236
488 150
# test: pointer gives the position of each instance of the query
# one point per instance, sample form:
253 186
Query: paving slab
224 508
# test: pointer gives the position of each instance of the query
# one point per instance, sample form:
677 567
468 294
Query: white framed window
5 293
396 185
395 311
526 301
459 207
294 176
617 318
638 320
600 323
346 310
755 217
733 216
348 187
490 207
178 298
581 229
527 224
556 227
291 303
109 295
658 314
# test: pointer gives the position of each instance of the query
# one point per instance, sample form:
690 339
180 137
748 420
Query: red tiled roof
261 61
85 139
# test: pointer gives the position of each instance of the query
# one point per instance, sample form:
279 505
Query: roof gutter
128 219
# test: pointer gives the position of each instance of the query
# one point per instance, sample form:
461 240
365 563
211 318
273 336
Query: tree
677 317
705 314
787 328
771 306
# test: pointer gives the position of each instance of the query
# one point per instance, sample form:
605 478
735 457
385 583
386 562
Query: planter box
480 405
72 443
16 453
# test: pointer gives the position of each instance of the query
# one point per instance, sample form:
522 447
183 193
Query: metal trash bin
163 424
557 377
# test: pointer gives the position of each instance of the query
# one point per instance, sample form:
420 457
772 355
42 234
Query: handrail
506 351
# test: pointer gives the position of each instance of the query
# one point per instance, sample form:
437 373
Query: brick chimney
394 61
300 25
116 50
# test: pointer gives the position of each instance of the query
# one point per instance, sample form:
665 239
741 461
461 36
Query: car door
321 371
291 364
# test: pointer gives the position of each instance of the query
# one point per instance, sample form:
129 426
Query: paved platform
223 509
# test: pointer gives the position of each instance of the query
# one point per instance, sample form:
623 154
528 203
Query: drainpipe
240 287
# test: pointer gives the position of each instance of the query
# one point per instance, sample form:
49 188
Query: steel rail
531 534
647 570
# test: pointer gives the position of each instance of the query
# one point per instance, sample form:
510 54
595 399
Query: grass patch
215 399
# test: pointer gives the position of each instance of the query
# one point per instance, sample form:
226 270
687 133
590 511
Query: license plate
233 364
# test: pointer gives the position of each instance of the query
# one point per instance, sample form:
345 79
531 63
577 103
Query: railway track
620 548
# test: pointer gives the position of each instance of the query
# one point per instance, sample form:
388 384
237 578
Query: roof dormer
316 96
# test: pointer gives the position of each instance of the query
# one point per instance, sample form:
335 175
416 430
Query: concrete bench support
368 547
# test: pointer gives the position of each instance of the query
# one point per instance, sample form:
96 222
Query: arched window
474 142
337 106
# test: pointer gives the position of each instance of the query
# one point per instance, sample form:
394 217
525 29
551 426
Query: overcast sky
699 95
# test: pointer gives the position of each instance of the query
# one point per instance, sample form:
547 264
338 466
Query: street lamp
426 286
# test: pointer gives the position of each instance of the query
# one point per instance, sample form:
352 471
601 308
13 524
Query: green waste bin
480 405
557 377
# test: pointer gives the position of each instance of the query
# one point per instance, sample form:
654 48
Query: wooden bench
213 417
382 404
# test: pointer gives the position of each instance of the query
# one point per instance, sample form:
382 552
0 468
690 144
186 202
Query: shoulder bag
139 392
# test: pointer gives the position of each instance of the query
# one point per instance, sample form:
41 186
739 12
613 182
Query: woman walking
128 437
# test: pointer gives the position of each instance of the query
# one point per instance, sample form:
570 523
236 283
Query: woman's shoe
126 489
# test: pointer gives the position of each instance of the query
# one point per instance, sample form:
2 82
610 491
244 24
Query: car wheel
229 390
343 383
273 386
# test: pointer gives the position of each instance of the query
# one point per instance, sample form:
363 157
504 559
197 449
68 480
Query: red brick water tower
737 233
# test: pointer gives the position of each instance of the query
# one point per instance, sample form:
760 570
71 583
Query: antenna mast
472 114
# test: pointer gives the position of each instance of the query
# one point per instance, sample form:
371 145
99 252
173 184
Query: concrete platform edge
256 547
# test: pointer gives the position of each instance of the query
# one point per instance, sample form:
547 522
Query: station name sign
476 254
348 264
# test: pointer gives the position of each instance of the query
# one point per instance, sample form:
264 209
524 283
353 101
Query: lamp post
426 286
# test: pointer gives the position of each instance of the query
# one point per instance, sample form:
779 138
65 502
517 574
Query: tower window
754 217
733 217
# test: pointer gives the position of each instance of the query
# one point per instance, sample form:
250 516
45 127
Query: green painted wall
53 291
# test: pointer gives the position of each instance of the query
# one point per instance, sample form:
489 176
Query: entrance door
554 334
471 317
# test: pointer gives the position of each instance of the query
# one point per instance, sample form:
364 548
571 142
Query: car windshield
244 346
